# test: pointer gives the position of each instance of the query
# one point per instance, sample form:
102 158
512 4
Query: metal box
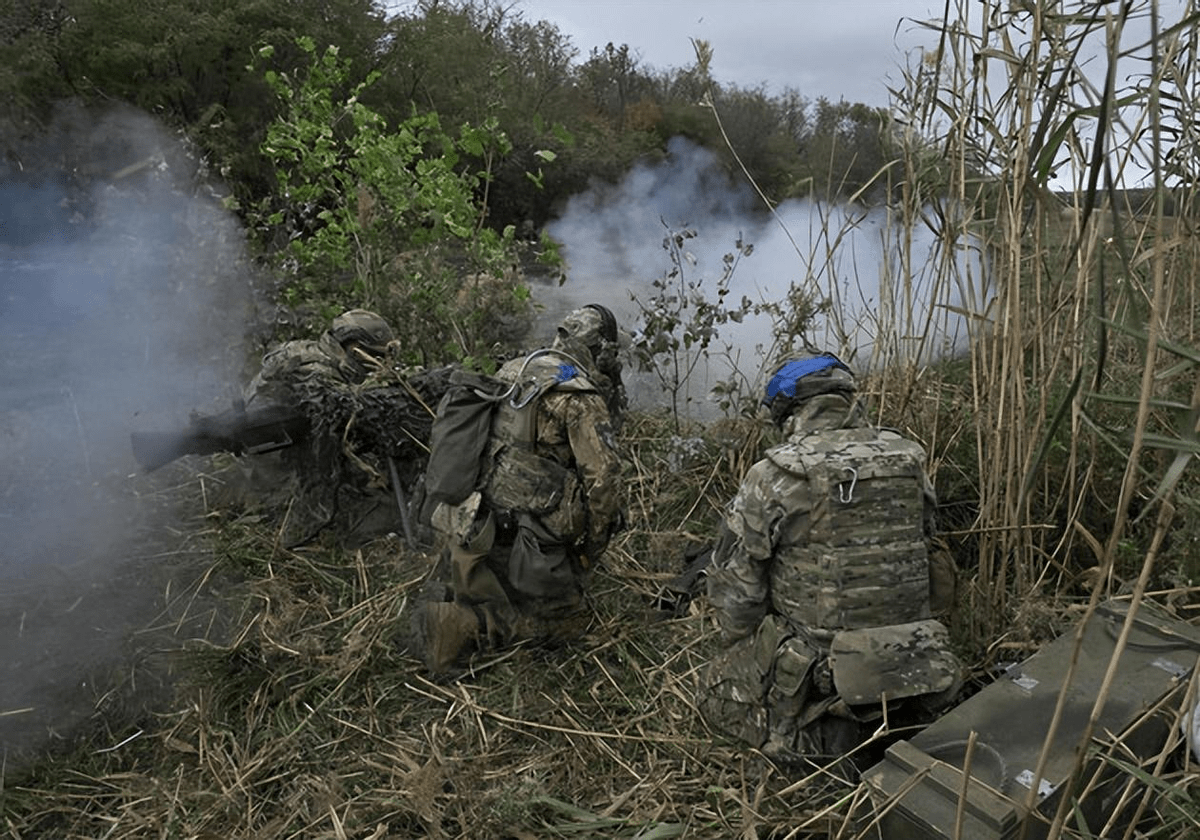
918 786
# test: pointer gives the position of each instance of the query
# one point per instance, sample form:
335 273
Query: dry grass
1060 441
310 718
307 716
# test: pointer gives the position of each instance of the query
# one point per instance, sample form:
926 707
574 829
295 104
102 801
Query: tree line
409 161
469 61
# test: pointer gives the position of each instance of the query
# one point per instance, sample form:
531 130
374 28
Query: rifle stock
238 431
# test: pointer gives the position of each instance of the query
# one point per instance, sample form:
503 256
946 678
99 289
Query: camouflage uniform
521 548
309 477
822 584
333 359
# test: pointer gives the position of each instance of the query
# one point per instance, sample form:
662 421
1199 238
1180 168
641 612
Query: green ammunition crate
917 788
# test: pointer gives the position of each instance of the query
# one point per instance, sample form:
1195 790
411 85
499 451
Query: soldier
522 545
344 354
313 479
823 579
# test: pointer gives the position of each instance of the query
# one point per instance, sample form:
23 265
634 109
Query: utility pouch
522 480
794 663
540 569
900 660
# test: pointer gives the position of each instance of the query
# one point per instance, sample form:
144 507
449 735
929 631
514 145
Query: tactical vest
523 474
863 560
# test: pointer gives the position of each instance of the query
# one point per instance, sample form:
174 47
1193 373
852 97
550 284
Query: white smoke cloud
124 299
889 299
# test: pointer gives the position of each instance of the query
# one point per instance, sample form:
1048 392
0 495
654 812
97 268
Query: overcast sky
839 49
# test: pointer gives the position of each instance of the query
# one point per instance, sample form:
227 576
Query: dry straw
1061 441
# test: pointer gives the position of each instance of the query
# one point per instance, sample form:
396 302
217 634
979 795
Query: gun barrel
263 429
157 449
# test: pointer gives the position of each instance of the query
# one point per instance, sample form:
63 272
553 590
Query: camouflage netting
356 429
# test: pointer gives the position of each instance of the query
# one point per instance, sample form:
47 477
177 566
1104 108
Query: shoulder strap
540 372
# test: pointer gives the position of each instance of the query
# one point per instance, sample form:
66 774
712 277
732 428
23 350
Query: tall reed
1023 132
1061 138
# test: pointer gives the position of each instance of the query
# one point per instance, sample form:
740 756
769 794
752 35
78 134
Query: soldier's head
593 327
590 326
363 329
800 378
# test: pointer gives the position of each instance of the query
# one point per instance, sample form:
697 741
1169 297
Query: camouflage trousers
522 583
773 690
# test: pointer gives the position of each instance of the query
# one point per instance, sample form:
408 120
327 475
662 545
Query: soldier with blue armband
523 543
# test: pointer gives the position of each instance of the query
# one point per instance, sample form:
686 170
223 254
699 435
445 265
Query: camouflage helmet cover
366 328
590 325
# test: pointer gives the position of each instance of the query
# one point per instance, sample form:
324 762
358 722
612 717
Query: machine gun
238 430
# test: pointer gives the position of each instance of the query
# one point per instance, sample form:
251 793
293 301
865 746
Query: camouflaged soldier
522 546
344 354
306 477
824 581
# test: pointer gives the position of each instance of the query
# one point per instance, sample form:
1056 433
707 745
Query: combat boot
446 629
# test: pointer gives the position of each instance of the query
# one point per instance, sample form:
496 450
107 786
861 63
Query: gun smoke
123 299
882 281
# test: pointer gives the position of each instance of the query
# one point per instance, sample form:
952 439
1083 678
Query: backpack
464 425
460 434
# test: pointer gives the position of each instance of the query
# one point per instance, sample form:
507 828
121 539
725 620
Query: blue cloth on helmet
566 372
784 381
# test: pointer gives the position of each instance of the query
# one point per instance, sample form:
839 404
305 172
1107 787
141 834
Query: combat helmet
594 328
367 329
800 377
590 325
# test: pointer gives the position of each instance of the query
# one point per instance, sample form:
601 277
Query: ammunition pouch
522 480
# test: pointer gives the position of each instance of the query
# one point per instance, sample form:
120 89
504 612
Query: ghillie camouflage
357 428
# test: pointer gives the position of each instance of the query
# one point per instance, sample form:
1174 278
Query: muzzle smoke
123 296
884 283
